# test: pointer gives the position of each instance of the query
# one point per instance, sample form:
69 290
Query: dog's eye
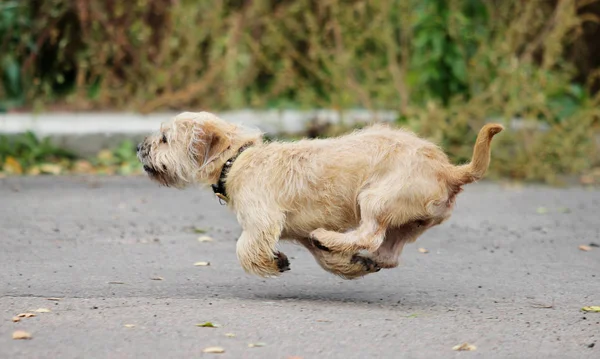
164 138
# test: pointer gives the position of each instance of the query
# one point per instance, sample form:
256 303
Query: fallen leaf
42 310
205 239
214 350
256 345
34 171
202 264
54 299
414 315
157 278
323 321
541 305
105 155
129 325
423 250
116 282
27 315
83 166
586 179
16 319
208 325
51 168
585 248
12 166
593 244
542 210
593 308
199 230
464 347
21 334
229 335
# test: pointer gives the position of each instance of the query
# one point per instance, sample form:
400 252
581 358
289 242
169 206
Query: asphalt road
499 275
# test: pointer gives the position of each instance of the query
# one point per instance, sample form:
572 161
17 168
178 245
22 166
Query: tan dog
352 201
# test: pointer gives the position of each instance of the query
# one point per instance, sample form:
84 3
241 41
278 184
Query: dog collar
219 187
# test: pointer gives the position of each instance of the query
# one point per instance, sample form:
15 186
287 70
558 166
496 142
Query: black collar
219 187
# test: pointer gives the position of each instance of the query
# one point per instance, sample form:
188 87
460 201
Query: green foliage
27 154
446 65
13 25
29 150
122 160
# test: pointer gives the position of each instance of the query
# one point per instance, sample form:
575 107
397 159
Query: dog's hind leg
368 236
381 208
347 266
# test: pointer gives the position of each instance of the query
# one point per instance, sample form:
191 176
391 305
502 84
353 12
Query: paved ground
488 274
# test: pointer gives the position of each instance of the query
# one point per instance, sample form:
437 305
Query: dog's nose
138 147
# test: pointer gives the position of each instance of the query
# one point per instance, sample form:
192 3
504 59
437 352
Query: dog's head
190 148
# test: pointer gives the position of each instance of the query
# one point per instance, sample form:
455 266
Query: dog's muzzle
150 170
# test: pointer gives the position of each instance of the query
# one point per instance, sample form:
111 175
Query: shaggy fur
352 201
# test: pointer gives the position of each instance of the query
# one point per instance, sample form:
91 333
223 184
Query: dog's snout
138 147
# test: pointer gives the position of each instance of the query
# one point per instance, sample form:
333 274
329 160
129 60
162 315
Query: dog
353 201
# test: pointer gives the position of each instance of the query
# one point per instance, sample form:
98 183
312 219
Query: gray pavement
498 275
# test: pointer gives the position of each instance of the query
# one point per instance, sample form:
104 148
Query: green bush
446 65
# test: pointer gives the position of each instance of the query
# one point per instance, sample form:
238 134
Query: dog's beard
156 172
159 176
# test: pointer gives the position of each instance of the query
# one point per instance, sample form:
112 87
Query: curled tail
481 156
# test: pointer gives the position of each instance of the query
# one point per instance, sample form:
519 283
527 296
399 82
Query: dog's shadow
365 295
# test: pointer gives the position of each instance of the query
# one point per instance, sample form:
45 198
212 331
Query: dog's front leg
255 248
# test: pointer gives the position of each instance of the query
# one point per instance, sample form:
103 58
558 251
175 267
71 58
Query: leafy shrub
445 65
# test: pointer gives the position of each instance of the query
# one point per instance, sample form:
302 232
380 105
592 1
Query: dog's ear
210 140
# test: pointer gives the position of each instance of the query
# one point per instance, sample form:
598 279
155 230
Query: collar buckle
222 199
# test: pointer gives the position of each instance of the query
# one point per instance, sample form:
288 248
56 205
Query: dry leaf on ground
423 250
116 282
542 305
21 334
51 168
542 210
16 319
256 345
205 239
199 230
157 278
54 299
464 347
12 166
129 325
202 264
585 248
208 325
229 335
26 315
214 350
593 308
42 310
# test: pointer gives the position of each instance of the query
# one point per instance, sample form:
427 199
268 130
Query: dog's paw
370 265
283 263
268 266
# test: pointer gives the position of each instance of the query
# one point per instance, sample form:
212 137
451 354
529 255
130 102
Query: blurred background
442 67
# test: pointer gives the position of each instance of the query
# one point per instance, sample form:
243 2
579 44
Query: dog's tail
481 156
